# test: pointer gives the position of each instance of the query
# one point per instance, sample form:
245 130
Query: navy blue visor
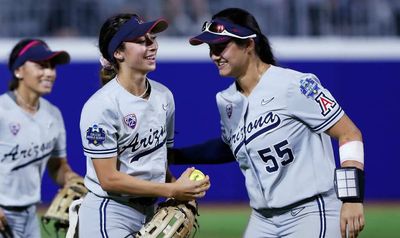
37 51
219 31
133 29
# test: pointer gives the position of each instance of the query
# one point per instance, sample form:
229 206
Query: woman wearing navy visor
126 128
32 136
277 124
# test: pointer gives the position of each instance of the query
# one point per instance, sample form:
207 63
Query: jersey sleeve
224 134
313 104
60 148
221 105
170 120
98 127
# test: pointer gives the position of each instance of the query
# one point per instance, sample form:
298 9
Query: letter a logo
326 104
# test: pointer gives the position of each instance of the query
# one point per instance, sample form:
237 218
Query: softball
196 175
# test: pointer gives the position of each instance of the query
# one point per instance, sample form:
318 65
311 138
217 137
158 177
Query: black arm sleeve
211 152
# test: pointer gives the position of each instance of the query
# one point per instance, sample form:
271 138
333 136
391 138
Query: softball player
126 127
32 135
277 123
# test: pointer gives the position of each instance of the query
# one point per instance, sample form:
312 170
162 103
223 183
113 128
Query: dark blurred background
20 18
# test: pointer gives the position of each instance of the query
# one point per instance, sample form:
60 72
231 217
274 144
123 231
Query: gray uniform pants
319 217
22 223
105 217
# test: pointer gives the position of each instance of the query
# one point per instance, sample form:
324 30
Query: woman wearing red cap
32 136
277 123
126 128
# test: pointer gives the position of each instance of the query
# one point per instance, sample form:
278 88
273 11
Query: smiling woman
33 68
32 136
277 124
132 119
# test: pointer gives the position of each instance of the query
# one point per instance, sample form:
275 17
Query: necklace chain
145 90
21 99
144 94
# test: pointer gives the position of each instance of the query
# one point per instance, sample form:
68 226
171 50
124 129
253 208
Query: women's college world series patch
95 135
309 87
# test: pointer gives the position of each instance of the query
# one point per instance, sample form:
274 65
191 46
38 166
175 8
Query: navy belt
15 208
270 212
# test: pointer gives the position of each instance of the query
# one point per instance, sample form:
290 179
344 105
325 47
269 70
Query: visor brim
209 38
156 26
56 57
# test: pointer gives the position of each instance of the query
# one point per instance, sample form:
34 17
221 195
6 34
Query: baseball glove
58 210
173 219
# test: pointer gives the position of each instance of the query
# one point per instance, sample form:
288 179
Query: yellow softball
196 175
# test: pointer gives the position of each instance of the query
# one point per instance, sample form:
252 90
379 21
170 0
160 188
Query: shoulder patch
130 120
325 103
309 87
95 135
14 128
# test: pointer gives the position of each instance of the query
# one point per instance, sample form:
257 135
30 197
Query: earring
18 76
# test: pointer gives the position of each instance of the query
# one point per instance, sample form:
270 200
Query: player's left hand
352 219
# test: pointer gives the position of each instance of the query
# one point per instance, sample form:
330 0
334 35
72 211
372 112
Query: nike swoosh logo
264 102
296 211
165 107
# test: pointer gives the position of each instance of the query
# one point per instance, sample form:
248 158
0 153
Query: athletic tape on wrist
349 184
353 150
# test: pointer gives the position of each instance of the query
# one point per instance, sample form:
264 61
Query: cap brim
156 26
57 57
209 38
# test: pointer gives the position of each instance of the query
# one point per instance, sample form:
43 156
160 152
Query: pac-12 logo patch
130 120
229 109
14 127
325 103
308 87
95 135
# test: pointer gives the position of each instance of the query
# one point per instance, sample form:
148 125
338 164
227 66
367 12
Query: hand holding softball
187 188
196 175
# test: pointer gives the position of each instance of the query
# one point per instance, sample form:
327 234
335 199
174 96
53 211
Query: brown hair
107 31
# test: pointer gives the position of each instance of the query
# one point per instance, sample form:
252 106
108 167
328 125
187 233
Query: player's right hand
186 189
3 220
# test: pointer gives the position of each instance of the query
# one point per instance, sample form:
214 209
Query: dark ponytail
243 18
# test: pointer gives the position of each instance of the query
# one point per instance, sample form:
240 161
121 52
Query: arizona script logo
153 139
32 152
263 124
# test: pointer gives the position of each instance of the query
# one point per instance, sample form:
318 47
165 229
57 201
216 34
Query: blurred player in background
277 123
32 135
126 127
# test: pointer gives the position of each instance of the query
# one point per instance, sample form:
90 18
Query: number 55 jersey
277 136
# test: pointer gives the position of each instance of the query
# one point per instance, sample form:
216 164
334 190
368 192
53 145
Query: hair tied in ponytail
105 63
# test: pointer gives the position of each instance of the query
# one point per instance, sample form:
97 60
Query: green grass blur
229 221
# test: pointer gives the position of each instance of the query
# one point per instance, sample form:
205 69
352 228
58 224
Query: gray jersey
276 135
26 143
137 131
